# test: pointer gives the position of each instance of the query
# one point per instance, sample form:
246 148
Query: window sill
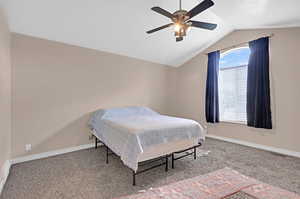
244 123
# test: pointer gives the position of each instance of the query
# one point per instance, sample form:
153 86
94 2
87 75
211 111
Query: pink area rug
220 184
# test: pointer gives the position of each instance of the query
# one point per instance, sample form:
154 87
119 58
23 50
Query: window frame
224 53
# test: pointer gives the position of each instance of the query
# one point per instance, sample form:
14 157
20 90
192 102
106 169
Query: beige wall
56 86
5 93
285 77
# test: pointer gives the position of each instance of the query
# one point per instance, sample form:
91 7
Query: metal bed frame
164 159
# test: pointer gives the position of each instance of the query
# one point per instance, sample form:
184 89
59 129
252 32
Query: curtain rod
237 45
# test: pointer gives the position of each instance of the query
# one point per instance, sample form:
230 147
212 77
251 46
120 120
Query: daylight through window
233 85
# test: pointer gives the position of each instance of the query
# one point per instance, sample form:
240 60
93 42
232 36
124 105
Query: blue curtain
258 85
212 93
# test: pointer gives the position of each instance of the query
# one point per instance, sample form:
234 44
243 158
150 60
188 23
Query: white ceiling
119 26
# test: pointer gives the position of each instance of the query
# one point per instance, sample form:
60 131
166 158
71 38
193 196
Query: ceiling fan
181 19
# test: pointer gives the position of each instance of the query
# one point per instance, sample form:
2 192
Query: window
233 85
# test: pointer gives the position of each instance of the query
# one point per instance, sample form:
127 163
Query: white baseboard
258 146
50 153
4 174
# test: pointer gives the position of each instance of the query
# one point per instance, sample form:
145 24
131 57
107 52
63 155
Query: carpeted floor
239 195
84 174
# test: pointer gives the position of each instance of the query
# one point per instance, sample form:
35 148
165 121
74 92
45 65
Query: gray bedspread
129 131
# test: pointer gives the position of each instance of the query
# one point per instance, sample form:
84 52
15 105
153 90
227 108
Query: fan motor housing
180 16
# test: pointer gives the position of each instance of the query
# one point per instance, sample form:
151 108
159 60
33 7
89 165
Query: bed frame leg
172 160
133 178
195 153
167 163
106 154
96 142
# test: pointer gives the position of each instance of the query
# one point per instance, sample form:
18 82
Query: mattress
134 131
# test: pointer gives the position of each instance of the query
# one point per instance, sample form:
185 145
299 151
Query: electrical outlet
28 147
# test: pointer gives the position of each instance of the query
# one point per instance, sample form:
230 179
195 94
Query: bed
139 134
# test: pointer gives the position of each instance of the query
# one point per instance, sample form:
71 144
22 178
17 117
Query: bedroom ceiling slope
120 26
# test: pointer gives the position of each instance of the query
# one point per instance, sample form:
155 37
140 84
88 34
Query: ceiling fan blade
163 12
159 28
204 25
200 8
179 39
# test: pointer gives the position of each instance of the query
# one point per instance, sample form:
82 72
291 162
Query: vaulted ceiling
119 26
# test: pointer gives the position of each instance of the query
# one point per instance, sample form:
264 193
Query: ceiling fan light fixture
183 31
181 19
177 27
188 27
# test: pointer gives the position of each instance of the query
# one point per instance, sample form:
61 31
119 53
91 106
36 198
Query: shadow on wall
75 133
54 93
